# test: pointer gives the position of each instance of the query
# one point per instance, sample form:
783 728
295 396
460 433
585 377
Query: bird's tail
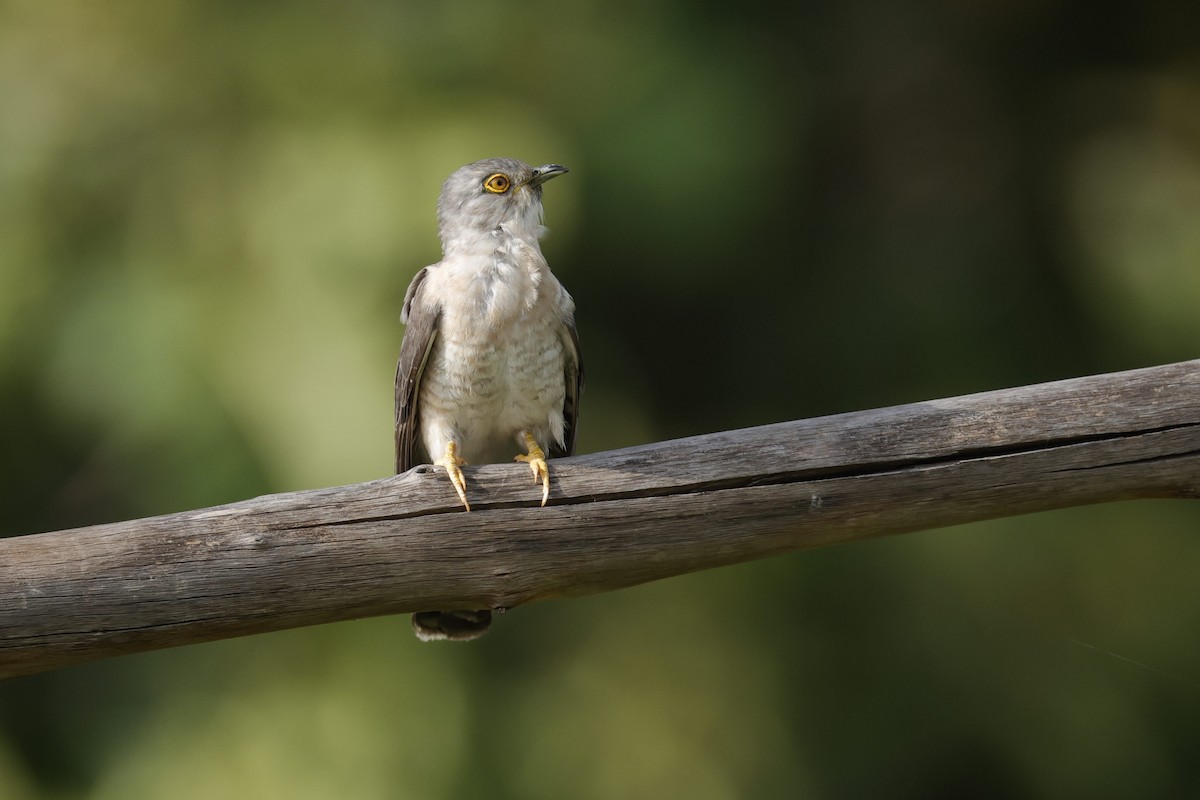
454 626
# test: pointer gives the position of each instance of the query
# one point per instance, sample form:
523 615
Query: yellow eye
497 184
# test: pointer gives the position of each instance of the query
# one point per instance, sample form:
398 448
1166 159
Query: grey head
492 195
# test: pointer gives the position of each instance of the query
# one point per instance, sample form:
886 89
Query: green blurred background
209 212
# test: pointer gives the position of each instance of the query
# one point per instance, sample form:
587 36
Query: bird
490 356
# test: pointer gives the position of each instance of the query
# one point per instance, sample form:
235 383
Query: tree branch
616 519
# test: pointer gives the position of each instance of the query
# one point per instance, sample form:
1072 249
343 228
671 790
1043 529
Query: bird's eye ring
497 184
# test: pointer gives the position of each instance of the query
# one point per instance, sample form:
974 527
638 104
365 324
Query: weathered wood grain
616 519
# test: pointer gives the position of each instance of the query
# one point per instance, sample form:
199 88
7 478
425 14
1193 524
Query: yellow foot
537 462
452 462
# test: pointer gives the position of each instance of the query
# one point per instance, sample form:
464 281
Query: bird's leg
451 462
536 459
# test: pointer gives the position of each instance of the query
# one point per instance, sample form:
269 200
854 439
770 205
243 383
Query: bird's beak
544 173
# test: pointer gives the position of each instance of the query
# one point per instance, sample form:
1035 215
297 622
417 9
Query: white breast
497 366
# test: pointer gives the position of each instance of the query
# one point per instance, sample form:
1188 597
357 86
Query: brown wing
573 374
420 331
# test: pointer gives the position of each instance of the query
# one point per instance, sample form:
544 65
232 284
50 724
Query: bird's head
492 196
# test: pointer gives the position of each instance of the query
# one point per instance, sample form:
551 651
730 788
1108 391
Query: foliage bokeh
208 216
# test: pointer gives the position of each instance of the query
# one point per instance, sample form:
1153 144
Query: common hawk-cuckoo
490 357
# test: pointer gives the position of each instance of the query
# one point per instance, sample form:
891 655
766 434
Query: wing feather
573 375
420 332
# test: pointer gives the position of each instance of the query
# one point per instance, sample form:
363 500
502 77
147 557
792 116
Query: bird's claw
451 463
536 459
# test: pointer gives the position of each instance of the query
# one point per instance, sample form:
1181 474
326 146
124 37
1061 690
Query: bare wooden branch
616 519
